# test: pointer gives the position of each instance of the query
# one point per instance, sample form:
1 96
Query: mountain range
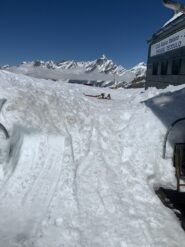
101 72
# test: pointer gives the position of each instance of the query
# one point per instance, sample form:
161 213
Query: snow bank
83 171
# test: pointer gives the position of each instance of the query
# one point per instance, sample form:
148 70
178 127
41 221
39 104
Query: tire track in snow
31 187
45 187
39 168
25 170
65 208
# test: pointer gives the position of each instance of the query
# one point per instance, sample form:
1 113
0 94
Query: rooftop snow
176 15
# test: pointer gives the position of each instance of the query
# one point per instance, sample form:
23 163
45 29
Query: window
155 68
164 67
176 66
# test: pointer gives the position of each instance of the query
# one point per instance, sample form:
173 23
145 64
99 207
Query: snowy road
83 171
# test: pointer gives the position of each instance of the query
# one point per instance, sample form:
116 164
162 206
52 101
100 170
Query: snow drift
82 171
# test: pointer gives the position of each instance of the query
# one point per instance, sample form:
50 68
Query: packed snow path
82 171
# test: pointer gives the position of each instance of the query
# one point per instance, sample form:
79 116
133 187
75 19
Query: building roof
176 22
175 16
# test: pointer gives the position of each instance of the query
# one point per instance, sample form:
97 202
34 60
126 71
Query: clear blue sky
78 29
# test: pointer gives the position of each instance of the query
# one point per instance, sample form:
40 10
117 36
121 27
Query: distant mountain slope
101 72
139 70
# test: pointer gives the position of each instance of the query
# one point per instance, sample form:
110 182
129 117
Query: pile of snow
102 72
82 171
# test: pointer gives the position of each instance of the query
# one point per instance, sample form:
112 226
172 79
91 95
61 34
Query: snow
175 16
81 171
100 72
139 70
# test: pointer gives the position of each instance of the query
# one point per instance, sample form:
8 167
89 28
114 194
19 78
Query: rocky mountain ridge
102 71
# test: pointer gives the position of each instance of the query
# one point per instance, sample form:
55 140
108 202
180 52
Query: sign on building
172 42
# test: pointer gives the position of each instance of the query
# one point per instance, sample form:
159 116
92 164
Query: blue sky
78 29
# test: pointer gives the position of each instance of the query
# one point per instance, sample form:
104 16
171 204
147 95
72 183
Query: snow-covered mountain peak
105 65
139 70
100 72
104 57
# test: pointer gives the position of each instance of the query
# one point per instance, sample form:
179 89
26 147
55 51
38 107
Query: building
166 55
